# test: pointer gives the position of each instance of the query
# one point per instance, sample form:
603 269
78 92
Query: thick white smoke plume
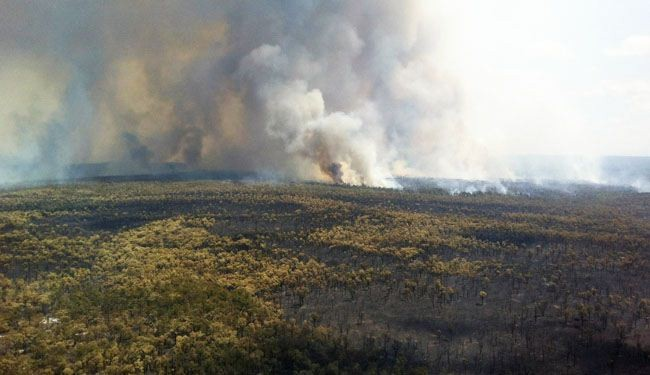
345 91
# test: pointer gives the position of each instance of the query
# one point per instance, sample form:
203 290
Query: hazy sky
553 76
350 90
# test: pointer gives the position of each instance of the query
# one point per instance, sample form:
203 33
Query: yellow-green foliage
218 277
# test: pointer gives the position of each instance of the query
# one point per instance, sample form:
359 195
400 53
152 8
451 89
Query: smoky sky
347 91
332 90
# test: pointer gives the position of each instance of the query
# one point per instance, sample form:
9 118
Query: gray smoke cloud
345 91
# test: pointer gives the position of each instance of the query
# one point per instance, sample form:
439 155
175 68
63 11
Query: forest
222 277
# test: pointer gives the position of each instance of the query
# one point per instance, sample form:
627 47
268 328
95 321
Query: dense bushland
219 277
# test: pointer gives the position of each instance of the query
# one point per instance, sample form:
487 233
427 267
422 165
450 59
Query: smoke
30 117
347 91
344 91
